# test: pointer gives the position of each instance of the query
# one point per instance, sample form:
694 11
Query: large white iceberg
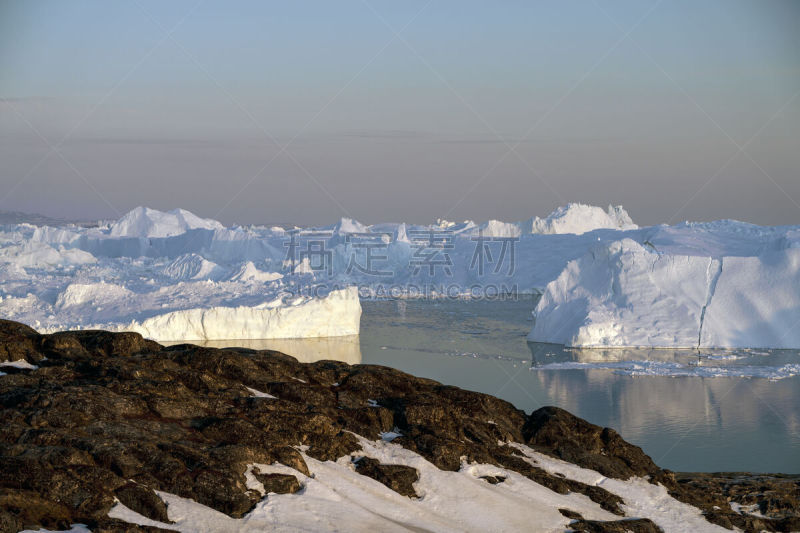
756 302
626 294
622 294
334 315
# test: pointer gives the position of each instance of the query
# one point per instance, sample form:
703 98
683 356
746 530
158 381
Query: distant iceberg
146 222
573 218
579 218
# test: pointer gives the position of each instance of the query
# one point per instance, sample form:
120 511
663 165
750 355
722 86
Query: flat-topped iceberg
334 315
623 294
626 294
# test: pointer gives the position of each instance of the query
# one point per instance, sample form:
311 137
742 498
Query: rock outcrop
103 417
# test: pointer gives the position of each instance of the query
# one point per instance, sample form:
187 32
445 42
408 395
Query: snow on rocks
642 498
465 461
21 364
335 496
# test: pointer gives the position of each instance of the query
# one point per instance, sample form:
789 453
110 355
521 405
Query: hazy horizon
303 113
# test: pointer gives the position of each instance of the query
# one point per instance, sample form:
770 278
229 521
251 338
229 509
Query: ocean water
714 411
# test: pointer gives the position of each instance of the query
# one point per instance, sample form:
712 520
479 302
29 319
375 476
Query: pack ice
152 272
604 281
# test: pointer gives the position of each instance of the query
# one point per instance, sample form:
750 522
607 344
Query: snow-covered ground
336 498
605 281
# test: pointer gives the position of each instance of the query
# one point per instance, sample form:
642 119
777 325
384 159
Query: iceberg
574 219
623 294
580 218
146 222
604 281
756 302
334 315
626 294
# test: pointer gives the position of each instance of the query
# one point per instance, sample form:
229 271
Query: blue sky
308 111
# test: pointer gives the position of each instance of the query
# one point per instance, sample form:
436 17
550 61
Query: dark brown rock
399 478
144 501
493 480
278 483
775 496
562 434
19 342
570 514
630 525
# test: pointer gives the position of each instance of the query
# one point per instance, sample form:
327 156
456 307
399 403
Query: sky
305 112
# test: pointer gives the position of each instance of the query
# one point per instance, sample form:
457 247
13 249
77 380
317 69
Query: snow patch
336 498
259 394
21 364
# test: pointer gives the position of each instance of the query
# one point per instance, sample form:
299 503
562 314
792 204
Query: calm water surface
685 423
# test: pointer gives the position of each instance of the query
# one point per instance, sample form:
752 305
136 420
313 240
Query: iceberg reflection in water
346 349
689 411
717 410
769 364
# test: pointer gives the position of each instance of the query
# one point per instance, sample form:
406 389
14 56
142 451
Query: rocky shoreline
92 420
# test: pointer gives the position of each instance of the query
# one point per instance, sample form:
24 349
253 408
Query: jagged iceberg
581 218
145 223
